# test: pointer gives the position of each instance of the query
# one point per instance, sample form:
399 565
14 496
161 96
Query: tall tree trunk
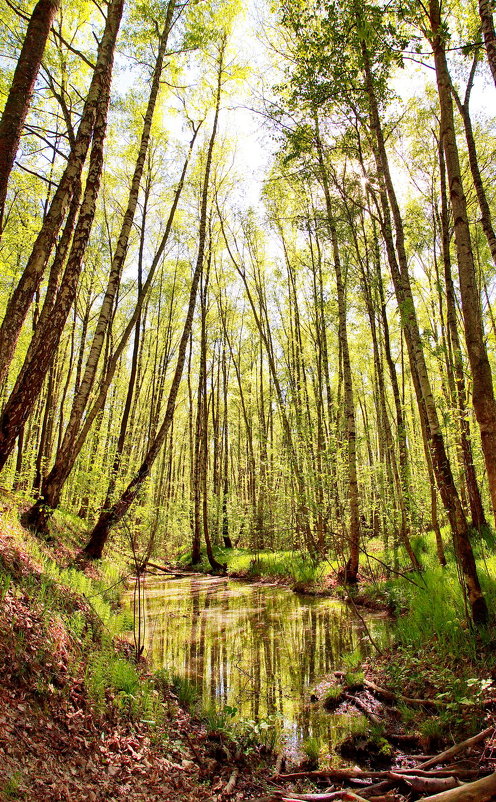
351 569
21 90
134 367
225 456
475 500
464 109
425 399
114 514
489 34
29 282
483 393
201 444
46 338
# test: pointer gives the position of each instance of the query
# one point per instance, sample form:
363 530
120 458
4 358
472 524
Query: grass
187 692
12 786
311 748
353 679
87 607
289 564
437 652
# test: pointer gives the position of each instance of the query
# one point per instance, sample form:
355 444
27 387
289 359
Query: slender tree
22 88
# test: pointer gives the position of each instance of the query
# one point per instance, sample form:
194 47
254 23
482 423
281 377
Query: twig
371 639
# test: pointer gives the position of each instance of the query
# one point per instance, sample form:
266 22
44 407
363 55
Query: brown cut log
363 707
232 781
334 795
479 791
426 784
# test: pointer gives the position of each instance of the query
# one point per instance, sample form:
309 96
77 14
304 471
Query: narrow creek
257 648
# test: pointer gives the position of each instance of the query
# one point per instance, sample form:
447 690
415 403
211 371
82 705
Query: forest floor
75 723
79 721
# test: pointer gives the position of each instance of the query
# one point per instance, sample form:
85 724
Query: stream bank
79 721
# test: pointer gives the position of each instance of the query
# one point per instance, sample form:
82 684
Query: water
257 648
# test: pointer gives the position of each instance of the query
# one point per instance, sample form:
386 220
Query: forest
247 407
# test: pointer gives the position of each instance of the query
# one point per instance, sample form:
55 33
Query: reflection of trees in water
256 648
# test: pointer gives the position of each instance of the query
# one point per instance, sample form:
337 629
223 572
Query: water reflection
258 648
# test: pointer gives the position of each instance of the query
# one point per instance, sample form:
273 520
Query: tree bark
425 399
474 496
108 519
483 393
463 108
489 34
29 282
46 338
350 574
21 90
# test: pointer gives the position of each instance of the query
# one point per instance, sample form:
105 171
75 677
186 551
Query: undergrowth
437 652
293 565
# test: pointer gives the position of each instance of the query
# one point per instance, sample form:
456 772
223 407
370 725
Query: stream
255 647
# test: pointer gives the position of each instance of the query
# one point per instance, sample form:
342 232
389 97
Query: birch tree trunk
29 282
108 518
46 338
483 392
489 34
425 399
21 90
351 568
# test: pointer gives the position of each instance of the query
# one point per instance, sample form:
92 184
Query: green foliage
11 788
352 660
333 692
111 679
246 733
294 565
420 545
332 697
107 672
408 714
311 748
5 581
431 728
353 679
436 610
187 692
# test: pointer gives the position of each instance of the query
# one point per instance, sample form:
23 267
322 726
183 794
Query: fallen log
365 774
336 774
165 569
426 784
329 797
479 791
390 696
363 708
454 750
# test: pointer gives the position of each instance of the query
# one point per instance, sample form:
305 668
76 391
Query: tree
110 517
22 88
30 280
